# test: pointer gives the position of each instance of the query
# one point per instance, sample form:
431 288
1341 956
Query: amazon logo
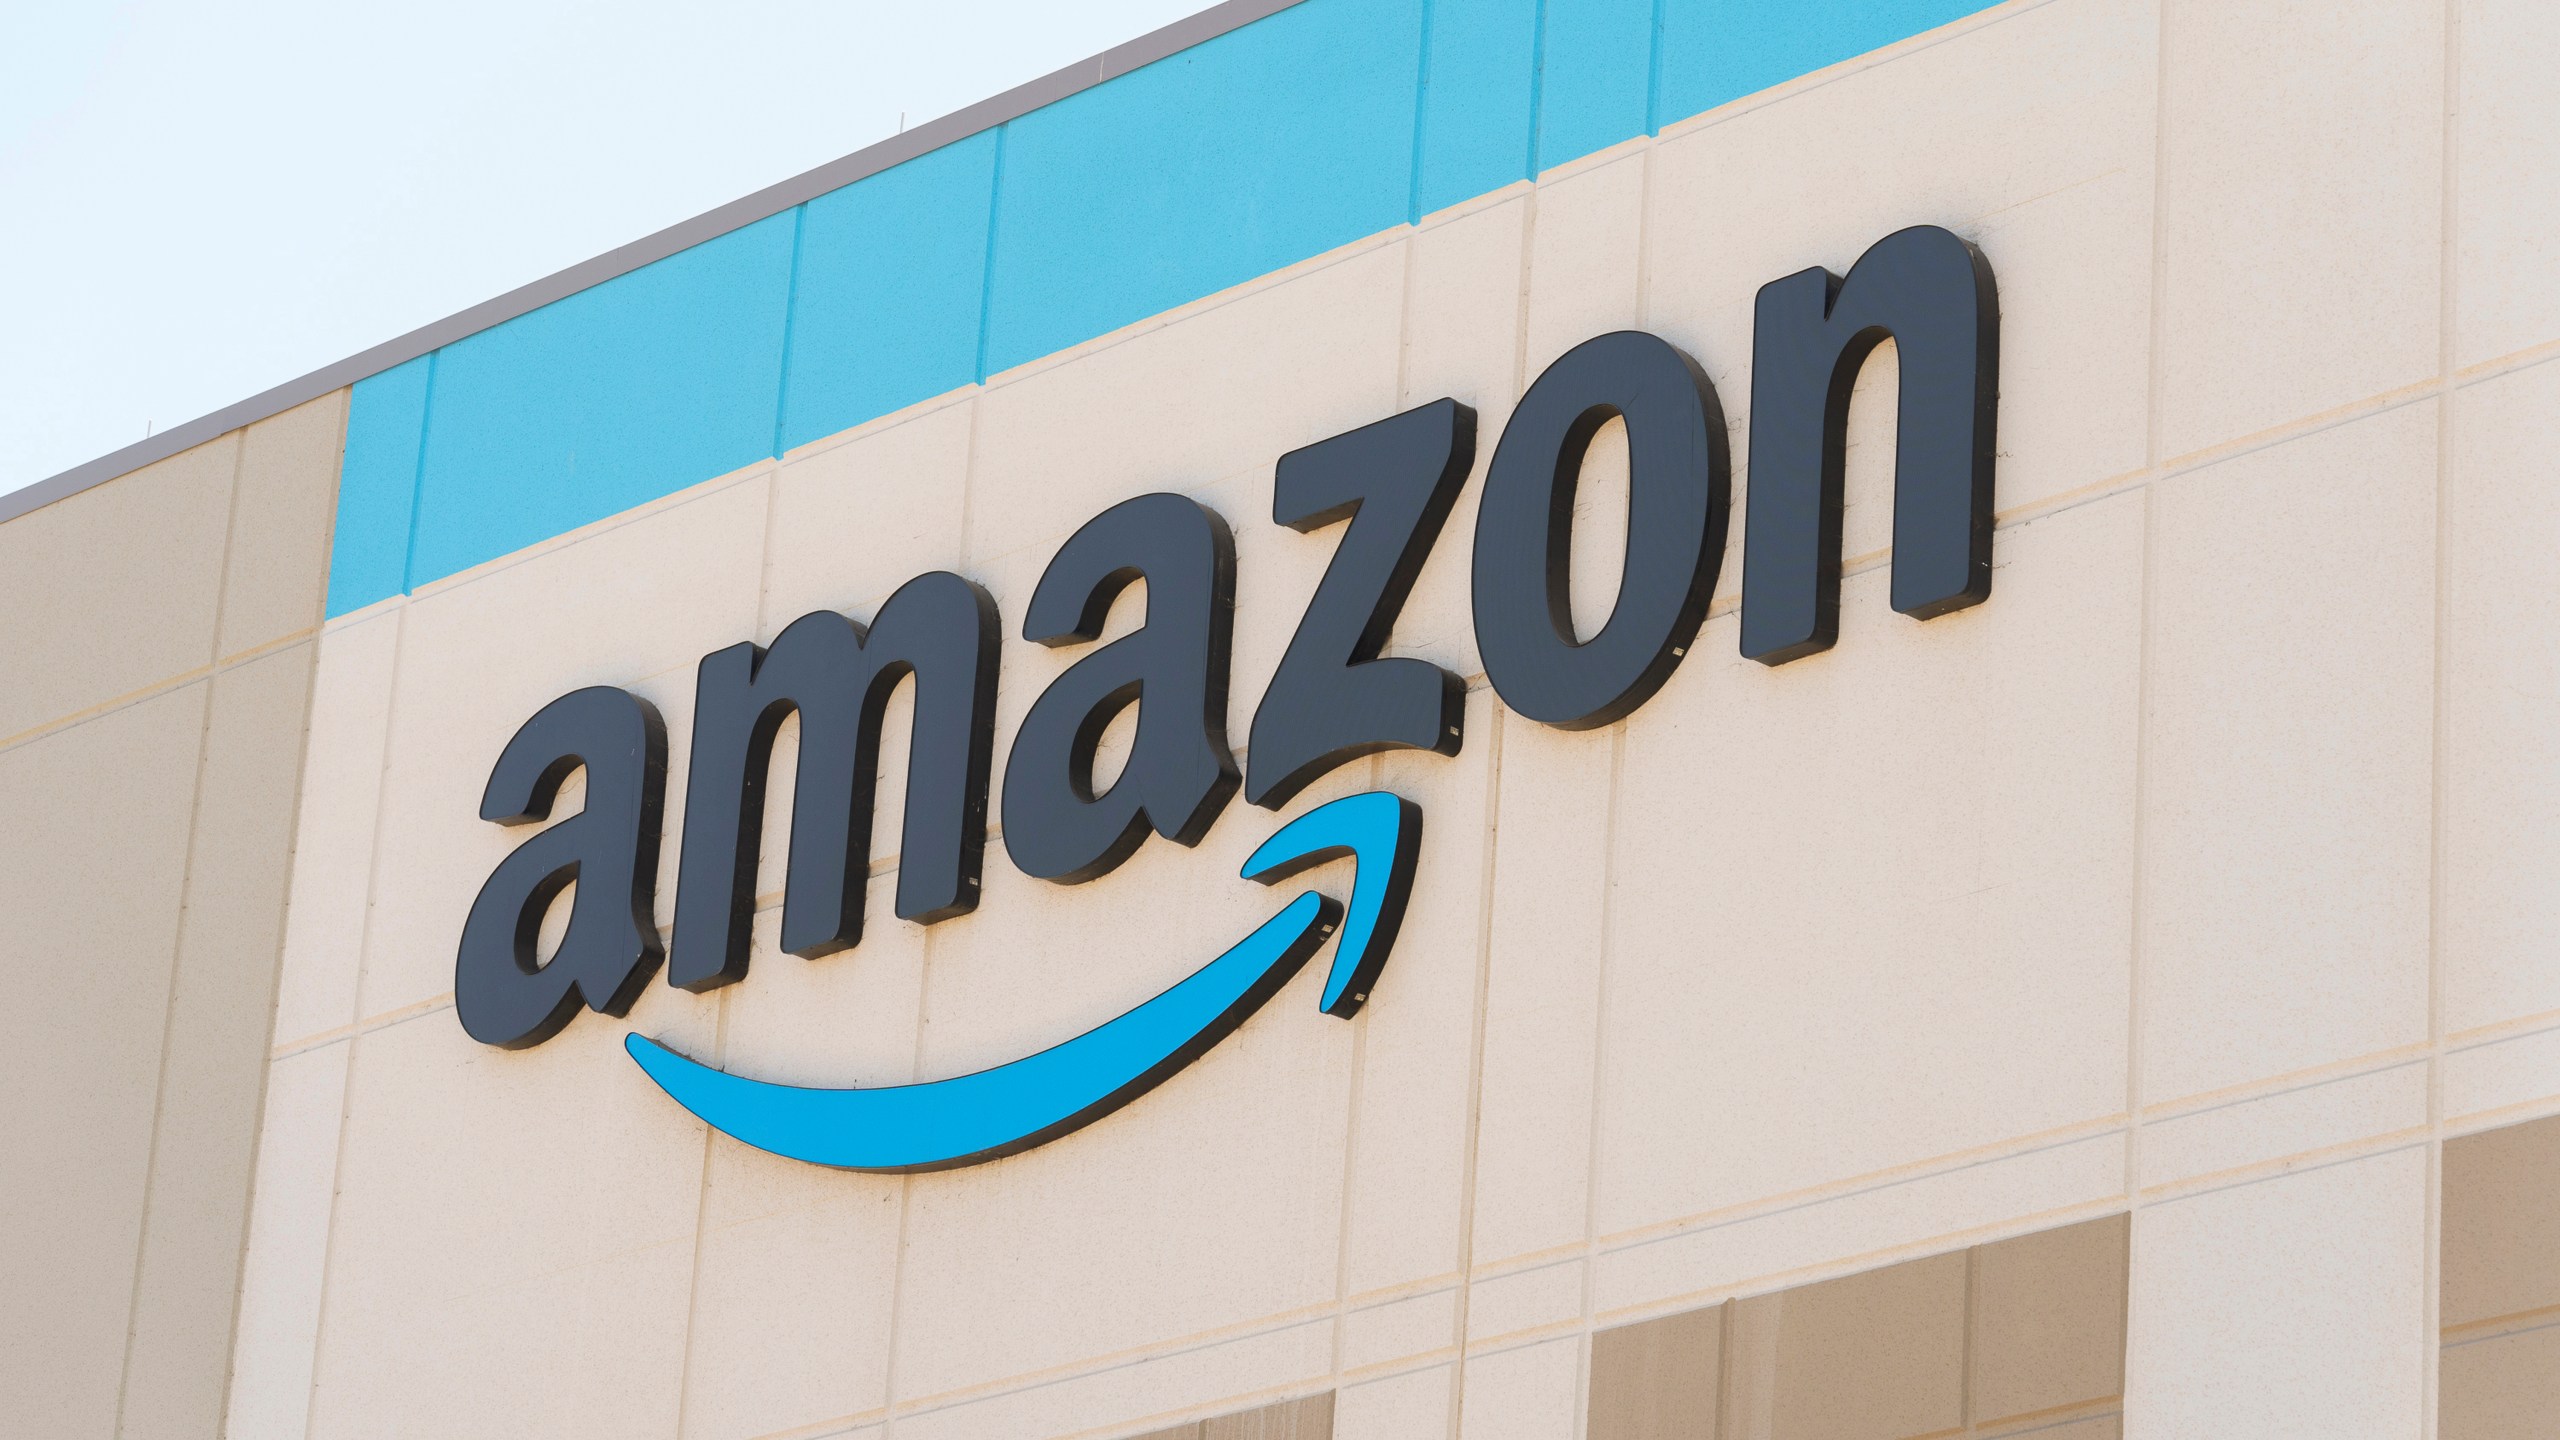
1388 487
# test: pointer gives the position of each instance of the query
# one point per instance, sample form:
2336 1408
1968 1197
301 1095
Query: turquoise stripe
893 272
378 486
1595 73
1326 122
1476 99
605 400
1229 160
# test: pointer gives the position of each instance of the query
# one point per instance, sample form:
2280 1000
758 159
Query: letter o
1678 479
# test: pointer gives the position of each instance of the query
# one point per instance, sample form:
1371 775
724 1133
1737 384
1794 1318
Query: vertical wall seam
906 1195
266 1062
418 474
178 940
2448 297
701 1217
1421 122
1653 73
987 269
1485 877
790 319
1496 724
1537 84
1591 1247
1349 1204
364 943
2150 490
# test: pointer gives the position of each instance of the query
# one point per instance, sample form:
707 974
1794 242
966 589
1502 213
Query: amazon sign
1335 696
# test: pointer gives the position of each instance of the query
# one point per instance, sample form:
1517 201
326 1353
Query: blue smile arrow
941 1124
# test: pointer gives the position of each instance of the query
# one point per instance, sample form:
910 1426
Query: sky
200 201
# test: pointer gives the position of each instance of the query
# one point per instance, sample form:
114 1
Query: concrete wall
158 636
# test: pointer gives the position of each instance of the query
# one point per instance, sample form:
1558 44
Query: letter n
1933 295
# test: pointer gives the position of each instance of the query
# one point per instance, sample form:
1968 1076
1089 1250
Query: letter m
938 628
1931 294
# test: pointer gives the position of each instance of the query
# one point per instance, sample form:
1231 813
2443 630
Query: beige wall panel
278 568
2502 1387
1187 406
2293 1120
1411 1406
2286 1308
640 602
1542 989
1521 1299
2287 806
1116 1398
93 896
1462 340
281 1277
2499 1256
214 1069
514 1234
1529 1393
115 588
1378 1332
2305 197
2037 146
2502 679
1217 1200
591 1349
1414 1110
2508 185
854 519
798 1264
2517 1075
333 837
1872 842
1586 242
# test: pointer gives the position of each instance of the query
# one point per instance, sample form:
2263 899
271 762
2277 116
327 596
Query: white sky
198 201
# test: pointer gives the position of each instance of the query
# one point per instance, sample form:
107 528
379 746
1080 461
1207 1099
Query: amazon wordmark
1338 694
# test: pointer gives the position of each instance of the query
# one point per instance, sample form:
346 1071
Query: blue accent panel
1226 161
1311 128
608 399
1595 70
1476 97
378 485
884 312
1715 51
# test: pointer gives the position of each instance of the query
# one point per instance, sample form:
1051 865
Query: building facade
1946 612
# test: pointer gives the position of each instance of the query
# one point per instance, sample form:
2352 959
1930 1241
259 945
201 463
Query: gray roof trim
960 124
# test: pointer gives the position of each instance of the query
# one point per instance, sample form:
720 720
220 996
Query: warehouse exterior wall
2162 945
159 641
